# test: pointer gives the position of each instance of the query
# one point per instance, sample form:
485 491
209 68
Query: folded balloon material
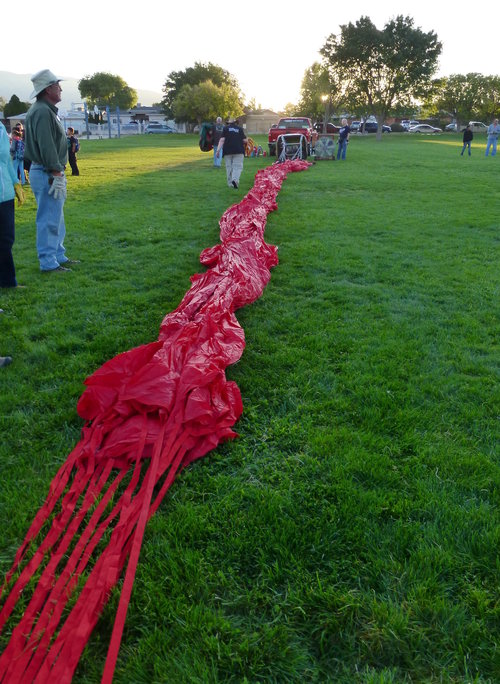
149 412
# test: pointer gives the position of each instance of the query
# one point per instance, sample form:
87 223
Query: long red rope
149 412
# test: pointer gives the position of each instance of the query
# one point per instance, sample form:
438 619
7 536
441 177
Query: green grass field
351 533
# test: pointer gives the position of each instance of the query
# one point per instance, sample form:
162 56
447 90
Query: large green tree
322 92
103 89
315 85
193 76
205 101
465 97
458 96
490 105
15 106
383 69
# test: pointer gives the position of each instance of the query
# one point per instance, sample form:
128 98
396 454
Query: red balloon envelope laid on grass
149 412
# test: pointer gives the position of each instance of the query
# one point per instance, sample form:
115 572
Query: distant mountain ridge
20 85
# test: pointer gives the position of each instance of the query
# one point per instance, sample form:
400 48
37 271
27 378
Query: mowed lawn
351 534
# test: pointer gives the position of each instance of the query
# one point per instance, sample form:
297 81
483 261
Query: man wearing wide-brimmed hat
47 148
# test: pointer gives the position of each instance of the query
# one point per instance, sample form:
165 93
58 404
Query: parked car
330 128
355 125
408 123
424 128
451 127
371 127
130 126
478 127
158 128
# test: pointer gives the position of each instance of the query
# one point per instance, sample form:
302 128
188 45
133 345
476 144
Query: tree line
363 71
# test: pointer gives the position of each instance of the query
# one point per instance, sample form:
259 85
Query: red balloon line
149 412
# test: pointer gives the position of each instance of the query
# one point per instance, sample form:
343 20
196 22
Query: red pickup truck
298 124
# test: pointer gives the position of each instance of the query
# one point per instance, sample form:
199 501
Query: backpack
77 145
206 137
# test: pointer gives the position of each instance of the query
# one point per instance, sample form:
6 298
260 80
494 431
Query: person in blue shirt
493 131
10 188
343 139
17 154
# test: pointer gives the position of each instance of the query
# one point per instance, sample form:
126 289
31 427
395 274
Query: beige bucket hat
41 80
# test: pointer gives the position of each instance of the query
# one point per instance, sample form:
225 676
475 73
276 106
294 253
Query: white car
478 127
424 128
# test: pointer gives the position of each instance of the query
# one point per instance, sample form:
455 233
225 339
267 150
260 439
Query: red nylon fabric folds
149 412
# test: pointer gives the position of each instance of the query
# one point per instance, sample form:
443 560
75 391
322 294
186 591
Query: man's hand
18 189
58 187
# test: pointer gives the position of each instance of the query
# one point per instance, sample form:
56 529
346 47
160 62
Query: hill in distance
20 85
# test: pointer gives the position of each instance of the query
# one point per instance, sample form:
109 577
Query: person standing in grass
17 154
72 150
216 136
47 148
467 139
10 187
232 144
343 139
493 131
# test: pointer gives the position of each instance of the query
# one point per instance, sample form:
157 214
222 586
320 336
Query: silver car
158 128
424 128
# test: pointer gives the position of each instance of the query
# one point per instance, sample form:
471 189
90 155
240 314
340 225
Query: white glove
58 187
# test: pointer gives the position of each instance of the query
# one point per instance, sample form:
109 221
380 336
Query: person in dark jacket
72 148
467 139
232 144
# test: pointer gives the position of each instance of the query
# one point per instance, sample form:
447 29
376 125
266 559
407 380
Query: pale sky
267 46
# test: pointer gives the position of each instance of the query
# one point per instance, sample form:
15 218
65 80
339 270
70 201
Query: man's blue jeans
492 142
19 169
50 226
466 144
342 148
